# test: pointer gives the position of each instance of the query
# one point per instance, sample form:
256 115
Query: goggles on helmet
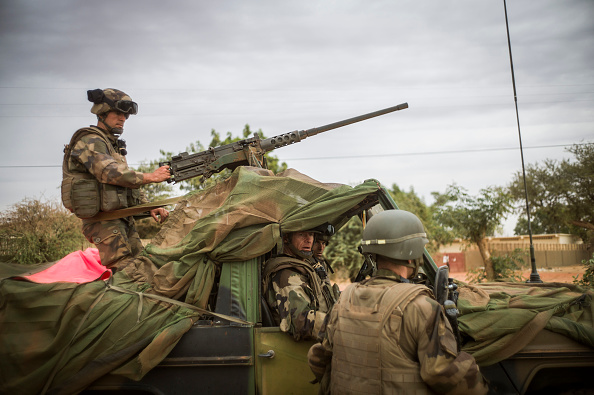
97 96
126 106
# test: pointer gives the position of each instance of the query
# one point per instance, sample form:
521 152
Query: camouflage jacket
411 343
298 298
91 154
95 153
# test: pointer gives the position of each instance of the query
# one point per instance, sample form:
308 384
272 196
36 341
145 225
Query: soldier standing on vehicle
388 335
96 178
297 288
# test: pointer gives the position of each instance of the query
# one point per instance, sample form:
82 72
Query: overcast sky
280 66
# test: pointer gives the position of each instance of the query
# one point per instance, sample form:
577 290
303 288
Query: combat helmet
323 232
111 100
396 234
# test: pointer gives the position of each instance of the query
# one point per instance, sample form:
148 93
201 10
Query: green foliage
588 276
33 231
560 195
342 251
507 267
473 218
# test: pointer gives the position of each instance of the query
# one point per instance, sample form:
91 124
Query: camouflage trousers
115 239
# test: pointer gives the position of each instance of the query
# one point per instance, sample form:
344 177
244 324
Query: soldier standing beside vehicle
297 288
388 335
96 178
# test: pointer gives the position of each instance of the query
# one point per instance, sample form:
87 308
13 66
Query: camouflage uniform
385 336
97 153
297 295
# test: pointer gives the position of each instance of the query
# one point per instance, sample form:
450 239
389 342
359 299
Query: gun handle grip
172 179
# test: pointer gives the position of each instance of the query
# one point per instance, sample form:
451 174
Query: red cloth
76 267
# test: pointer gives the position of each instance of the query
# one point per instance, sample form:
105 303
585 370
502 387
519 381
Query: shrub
588 276
34 231
507 267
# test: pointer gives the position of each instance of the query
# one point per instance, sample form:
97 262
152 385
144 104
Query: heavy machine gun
250 151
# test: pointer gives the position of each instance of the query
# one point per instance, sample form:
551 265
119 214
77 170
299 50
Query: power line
436 152
365 156
289 89
292 111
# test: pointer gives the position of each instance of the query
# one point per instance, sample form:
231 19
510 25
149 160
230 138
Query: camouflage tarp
502 318
59 337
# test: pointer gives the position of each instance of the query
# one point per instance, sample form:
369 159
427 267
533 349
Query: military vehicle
188 316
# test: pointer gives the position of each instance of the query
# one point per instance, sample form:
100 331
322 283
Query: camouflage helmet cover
395 234
114 95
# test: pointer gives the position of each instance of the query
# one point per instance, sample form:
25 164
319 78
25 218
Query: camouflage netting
502 318
59 337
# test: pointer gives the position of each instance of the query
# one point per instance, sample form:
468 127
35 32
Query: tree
560 195
473 218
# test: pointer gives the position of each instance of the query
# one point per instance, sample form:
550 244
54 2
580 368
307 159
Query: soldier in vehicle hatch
297 287
388 335
321 238
96 178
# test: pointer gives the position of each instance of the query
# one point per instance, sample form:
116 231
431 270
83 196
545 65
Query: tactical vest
82 193
325 297
367 358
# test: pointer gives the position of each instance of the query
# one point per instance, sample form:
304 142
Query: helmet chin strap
115 131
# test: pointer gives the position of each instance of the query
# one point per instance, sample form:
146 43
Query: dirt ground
564 274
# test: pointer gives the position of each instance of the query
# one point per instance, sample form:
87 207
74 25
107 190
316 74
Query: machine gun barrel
293 137
249 151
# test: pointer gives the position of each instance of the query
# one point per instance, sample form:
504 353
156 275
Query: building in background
550 251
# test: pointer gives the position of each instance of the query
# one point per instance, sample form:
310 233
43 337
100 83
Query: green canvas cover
502 318
59 337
